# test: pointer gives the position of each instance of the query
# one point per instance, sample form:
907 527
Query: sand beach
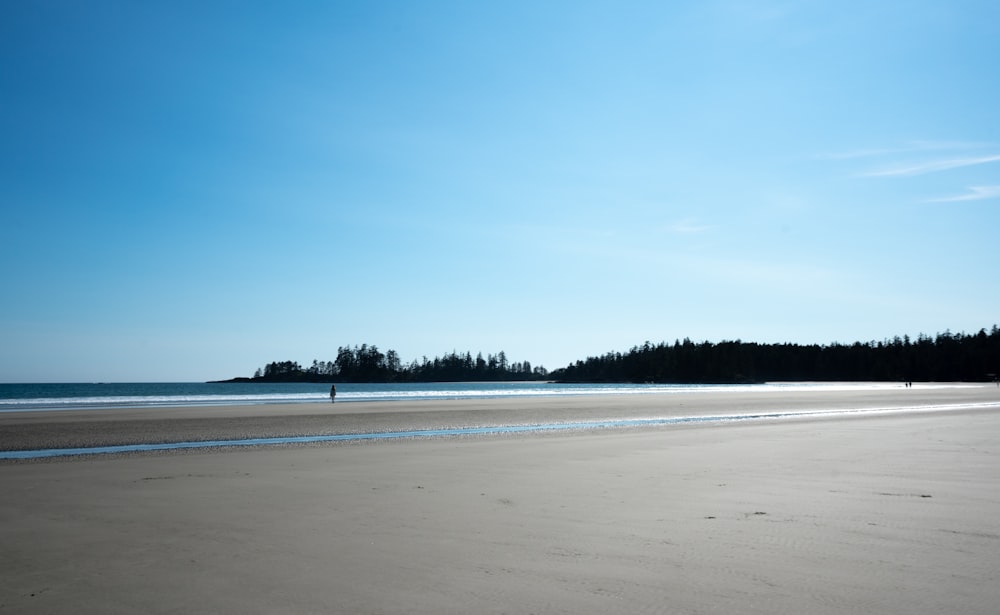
893 508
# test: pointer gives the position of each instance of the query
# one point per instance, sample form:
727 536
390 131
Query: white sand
897 513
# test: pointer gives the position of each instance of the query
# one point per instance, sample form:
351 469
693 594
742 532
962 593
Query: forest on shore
368 364
947 357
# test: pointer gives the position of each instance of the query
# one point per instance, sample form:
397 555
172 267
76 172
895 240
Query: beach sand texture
888 513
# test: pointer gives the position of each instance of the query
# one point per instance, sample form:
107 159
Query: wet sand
113 426
884 513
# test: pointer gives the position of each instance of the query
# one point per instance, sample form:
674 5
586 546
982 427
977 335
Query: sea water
76 396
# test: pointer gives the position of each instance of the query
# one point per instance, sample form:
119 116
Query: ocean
79 396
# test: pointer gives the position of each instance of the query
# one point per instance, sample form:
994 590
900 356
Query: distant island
947 357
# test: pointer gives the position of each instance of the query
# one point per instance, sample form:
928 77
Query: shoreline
72 429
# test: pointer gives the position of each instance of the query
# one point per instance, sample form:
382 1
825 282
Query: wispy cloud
976 193
924 157
932 166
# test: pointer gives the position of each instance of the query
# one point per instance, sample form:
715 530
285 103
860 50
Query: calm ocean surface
53 396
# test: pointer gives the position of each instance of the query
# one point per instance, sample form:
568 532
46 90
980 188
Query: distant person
333 393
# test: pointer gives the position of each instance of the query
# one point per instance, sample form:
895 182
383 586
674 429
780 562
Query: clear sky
191 190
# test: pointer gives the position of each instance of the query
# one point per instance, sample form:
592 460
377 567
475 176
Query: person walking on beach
333 393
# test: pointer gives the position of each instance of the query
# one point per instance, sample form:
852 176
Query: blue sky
191 190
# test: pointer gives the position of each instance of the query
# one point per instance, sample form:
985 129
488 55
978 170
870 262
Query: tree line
369 364
947 357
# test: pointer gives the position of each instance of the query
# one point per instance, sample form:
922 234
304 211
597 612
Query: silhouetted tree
948 357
